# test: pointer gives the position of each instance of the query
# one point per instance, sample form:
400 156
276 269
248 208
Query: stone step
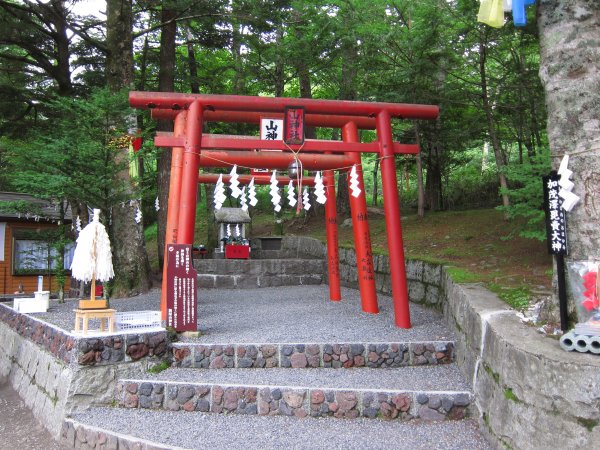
259 273
426 393
312 355
153 429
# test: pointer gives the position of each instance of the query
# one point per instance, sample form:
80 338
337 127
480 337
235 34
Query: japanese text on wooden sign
556 224
181 288
293 125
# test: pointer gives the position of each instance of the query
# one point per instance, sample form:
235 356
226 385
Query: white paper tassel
156 204
228 230
354 182
320 189
291 194
306 200
234 183
238 233
569 198
78 224
93 257
252 193
138 215
243 201
219 193
274 190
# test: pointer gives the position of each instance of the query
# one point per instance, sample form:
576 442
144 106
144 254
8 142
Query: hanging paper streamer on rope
491 12
274 190
320 189
566 185
243 201
306 200
234 183
78 224
252 193
354 182
238 233
219 194
156 204
291 194
228 231
138 215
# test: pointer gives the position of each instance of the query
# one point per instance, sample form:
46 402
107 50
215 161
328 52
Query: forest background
64 117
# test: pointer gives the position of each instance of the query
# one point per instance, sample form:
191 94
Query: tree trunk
279 67
129 253
420 187
375 183
491 123
192 65
570 72
166 83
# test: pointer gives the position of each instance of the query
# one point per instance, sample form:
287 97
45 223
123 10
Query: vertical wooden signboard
181 288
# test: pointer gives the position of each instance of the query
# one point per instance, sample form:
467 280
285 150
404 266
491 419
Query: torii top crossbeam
189 111
178 101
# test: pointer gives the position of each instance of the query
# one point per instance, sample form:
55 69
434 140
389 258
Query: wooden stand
92 303
84 315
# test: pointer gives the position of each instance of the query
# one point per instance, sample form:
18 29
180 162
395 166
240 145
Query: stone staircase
291 391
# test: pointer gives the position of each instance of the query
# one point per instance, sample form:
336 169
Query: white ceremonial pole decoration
274 190
320 189
234 184
566 185
306 200
252 193
354 182
92 259
291 194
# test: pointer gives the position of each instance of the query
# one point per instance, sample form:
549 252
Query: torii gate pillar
391 205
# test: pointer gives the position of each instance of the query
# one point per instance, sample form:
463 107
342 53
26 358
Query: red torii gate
193 149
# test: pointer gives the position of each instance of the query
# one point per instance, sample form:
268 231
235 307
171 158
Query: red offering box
237 251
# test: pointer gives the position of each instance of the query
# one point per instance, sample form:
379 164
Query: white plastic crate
137 320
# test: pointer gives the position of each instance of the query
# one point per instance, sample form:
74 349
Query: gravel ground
290 314
437 378
19 430
218 431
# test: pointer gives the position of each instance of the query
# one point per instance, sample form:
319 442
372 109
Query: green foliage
517 298
160 367
72 155
510 395
589 424
527 195
459 275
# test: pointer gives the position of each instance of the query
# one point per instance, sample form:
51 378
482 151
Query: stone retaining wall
337 355
297 402
531 394
57 373
253 273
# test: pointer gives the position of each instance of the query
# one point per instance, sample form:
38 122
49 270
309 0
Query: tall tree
570 70
166 83
130 259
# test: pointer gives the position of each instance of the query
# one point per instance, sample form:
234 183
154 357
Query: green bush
527 196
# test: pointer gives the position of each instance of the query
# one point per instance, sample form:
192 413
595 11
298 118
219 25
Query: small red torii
192 149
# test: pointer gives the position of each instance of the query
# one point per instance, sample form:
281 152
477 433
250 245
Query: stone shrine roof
232 215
